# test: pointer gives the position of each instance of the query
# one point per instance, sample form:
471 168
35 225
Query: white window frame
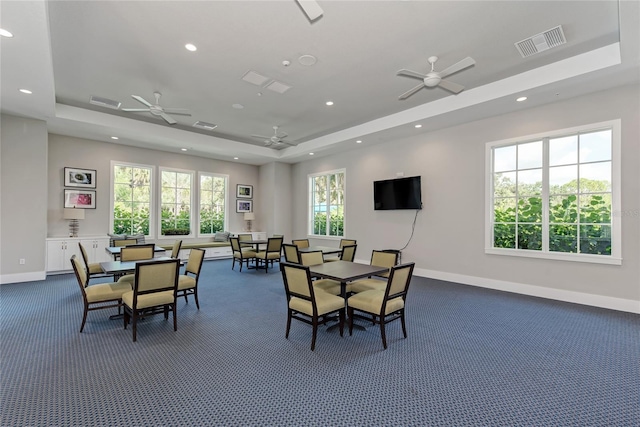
310 204
226 200
152 213
159 203
616 235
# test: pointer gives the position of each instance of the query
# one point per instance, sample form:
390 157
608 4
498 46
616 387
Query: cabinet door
55 255
96 249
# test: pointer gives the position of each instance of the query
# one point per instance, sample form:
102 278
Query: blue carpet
474 357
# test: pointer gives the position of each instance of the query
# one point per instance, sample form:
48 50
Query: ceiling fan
436 78
157 110
310 8
275 139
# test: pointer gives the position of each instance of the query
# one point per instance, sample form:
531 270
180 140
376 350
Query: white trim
611 303
23 277
558 256
310 178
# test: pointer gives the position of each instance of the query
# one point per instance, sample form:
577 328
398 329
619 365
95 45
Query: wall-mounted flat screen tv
399 193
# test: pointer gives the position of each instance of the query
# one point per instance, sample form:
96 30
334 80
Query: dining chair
316 258
347 242
96 297
175 250
379 259
188 285
240 255
291 253
383 306
307 304
348 253
92 269
154 291
271 254
301 243
244 237
135 253
122 242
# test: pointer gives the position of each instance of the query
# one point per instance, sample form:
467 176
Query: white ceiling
67 51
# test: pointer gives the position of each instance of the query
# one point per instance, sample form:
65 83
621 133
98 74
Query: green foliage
130 221
336 225
170 220
211 221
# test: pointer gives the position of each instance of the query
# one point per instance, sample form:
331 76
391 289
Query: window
131 198
213 202
175 202
553 196
327 201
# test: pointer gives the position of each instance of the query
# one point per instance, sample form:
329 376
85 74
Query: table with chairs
272 253
115 250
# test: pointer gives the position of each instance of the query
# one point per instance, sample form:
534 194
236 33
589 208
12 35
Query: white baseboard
620 304
23 277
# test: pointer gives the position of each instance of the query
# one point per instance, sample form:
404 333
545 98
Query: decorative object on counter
73 215
244 205
80 199
74 177
249 216
244 191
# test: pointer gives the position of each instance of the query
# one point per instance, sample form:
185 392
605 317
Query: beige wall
448 241
275 209
23 221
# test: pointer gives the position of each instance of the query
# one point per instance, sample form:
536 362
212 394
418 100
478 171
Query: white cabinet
218 252
61 249
257 235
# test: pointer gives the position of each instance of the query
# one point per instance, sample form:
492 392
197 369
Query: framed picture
74 177
81 199
244 191
244 205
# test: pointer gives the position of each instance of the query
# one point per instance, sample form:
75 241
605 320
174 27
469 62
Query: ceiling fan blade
136 109
142 100
311 8
268 138
410 73
178 111
451 86
168 119
461 65
282 135
411 92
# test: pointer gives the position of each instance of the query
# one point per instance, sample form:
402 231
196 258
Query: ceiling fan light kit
436 78
156 109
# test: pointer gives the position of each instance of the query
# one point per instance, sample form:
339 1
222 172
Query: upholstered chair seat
363 285
149 300
325 303
186 282
106 291
371 302
327 285
127 278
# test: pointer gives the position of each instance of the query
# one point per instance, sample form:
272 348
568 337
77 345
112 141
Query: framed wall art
244 191
81 199
74 177
244 205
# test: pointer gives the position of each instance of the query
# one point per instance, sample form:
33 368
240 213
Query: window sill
593 259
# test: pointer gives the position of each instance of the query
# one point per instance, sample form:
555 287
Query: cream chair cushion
127 278
106 291
371 302
366 285
327 285
186 282
94 268
149 300
325 303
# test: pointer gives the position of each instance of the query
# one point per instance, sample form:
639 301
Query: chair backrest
301 243
122 242
297 281
245 237
85 258
348 252
399 279
291 253
175 251
347 242
137 252
196 256
384 259
155 276
235 244
311 258
274 244
81 274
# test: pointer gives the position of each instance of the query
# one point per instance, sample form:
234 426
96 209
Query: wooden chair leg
384 335
175 319
404 326
84 317
350 314
195 296
134 325
286 334
314 333
341 319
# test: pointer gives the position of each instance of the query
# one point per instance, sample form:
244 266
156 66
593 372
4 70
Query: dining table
119 268
344 272
326 250
115 250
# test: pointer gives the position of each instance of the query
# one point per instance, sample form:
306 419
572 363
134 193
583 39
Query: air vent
204 125
541 42
104 102
254 78
277 86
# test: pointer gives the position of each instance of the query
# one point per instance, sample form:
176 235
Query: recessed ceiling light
183 149
359 141
27 91
190 47
114 137
307 60
238 106
5 33
311 154
418 126
329 102
236 158
522 98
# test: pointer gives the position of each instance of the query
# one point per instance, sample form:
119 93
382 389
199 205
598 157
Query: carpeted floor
474 357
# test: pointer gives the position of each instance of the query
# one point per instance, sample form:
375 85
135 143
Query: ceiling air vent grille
541 42
204 125
104 102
